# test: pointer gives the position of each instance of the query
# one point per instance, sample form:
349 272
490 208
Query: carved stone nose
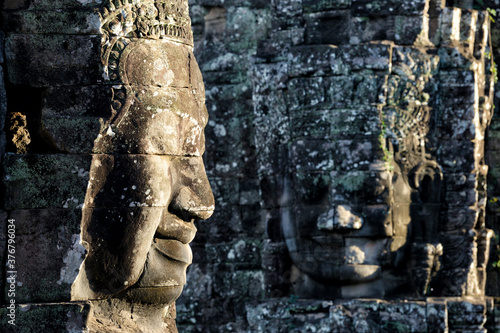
339 218
190 205
193 197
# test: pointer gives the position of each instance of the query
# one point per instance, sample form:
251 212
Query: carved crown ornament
122 21
126 24
147 19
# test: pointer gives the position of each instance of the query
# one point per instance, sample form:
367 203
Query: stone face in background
368 197
317 97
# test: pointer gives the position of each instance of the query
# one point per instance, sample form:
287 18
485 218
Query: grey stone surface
48 254
64 317
45 181
43 60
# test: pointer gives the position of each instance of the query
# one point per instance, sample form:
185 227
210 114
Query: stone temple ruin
351 147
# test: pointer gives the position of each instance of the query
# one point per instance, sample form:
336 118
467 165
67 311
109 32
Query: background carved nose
339 218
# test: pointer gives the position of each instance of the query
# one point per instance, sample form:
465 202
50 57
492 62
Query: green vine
382 144
493 13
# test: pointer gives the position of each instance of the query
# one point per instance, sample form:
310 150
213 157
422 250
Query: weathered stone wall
294 70
227 249
260 59
54 100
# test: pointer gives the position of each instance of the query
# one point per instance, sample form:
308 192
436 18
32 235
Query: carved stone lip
174 249
175 228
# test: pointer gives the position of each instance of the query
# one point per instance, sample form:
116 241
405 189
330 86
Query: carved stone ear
424 169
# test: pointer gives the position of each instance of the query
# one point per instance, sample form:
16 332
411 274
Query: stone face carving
147 178
380 177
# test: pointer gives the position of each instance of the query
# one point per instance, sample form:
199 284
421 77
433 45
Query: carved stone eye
113 65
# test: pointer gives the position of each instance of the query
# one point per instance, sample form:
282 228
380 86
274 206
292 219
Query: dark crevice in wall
23 124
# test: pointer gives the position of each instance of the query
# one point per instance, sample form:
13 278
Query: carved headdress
147 19
408 116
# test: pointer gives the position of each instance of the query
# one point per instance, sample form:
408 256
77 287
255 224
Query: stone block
48 253
58 317
452 58
312 155
3 99
313 124
409 29
73 135
53 60
3 251
228 63
65 22
359 90
249 192
316 60
465 198
199 283
374 56
372 28
246 252
226 191
238 91
451 162
386 7
269 316
50 4
310 6
2 47
359 124
245 27
352 156
352 126
437 316
239 283
457 88
310 92
339 92
267 78
59 101
403 317
467 315
319 27
43 181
